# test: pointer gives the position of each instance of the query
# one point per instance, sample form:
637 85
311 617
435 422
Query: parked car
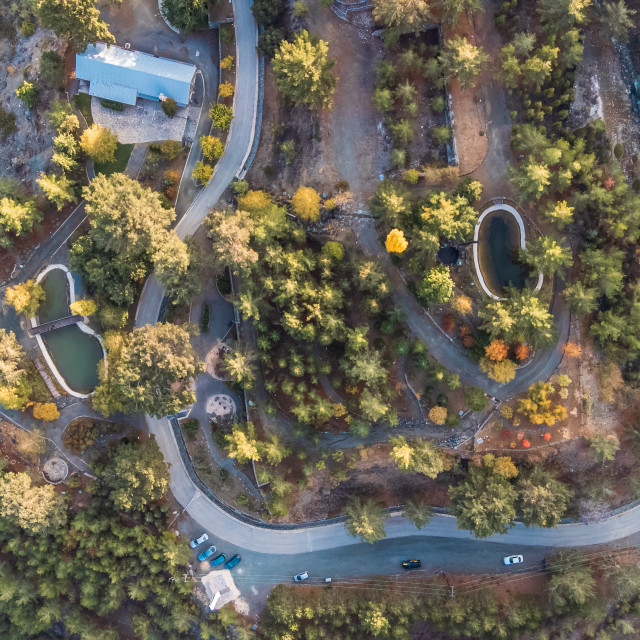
218 560
513 560
411 564
301 576
198 541
207 553
233 562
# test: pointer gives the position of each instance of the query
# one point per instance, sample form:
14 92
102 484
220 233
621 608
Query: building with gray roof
124 75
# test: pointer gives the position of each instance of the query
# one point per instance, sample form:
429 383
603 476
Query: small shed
123 75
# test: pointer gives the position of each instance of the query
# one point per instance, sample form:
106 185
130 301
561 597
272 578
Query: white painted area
81 325
523 244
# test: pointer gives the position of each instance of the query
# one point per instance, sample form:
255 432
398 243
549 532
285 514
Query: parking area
144 122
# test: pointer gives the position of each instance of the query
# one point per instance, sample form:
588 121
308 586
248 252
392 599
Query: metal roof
120 74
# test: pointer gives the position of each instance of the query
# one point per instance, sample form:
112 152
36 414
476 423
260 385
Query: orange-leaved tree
497 350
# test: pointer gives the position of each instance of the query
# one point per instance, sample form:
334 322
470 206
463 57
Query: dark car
411 564
218 560
233 562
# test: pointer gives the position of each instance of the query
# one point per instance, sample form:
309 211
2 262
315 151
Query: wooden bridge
55 324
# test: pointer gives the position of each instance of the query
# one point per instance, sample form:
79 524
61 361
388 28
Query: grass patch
40 392
119 164
83 102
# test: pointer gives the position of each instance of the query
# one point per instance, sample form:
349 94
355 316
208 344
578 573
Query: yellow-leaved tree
306 203
438 415
46 411
396 242
83 307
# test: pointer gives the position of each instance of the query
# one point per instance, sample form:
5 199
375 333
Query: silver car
512 560
198 541
301 576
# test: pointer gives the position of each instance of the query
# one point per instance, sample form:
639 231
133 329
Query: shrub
333 249
442 135
79 436
28 93
289 150
204 320
226 90
240 187
438 104
227 63
190 428
7 123
226 34
475 398
300 8
52 69
618 151
170 149
169 106
112 104
27 28
411 176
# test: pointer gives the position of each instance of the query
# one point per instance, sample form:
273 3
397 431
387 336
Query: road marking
72 232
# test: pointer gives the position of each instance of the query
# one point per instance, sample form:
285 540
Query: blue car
219 560
233 562
207 553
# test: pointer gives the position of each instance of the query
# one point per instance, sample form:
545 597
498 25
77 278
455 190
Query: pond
76 354
500 236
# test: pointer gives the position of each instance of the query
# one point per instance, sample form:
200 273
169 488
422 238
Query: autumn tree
396 242
25 297
212 147
560 214
57 189
18 215
538 405
178 267
532 179
84 307
403 15
542 498
202 172
497 350
306 203
438 415
136 475
483 503
78 21
242 443
503 371
462 304
11 357
419 456
302 71
231 238
35 509
161 361
365 520
99 143
463 60
46 411
547 256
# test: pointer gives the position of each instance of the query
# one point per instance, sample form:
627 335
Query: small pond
497 252
75 353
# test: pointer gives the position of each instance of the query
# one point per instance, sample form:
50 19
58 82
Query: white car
301 576
513 560
198 541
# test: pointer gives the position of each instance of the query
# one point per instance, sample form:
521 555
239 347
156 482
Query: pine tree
365 520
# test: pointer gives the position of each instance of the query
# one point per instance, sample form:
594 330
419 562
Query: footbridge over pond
55 324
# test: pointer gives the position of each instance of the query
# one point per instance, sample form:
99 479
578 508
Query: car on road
198 541
301 576
207 553
233 562
411 564
512 560
218 560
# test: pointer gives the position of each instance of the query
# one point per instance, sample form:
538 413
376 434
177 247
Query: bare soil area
344 144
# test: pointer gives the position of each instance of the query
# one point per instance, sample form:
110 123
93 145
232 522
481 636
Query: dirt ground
345 143
469 108
372 476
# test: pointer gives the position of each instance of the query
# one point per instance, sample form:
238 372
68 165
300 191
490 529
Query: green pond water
498 249
76 354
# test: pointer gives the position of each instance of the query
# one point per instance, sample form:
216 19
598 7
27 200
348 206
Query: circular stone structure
55 470
515 239
221 406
